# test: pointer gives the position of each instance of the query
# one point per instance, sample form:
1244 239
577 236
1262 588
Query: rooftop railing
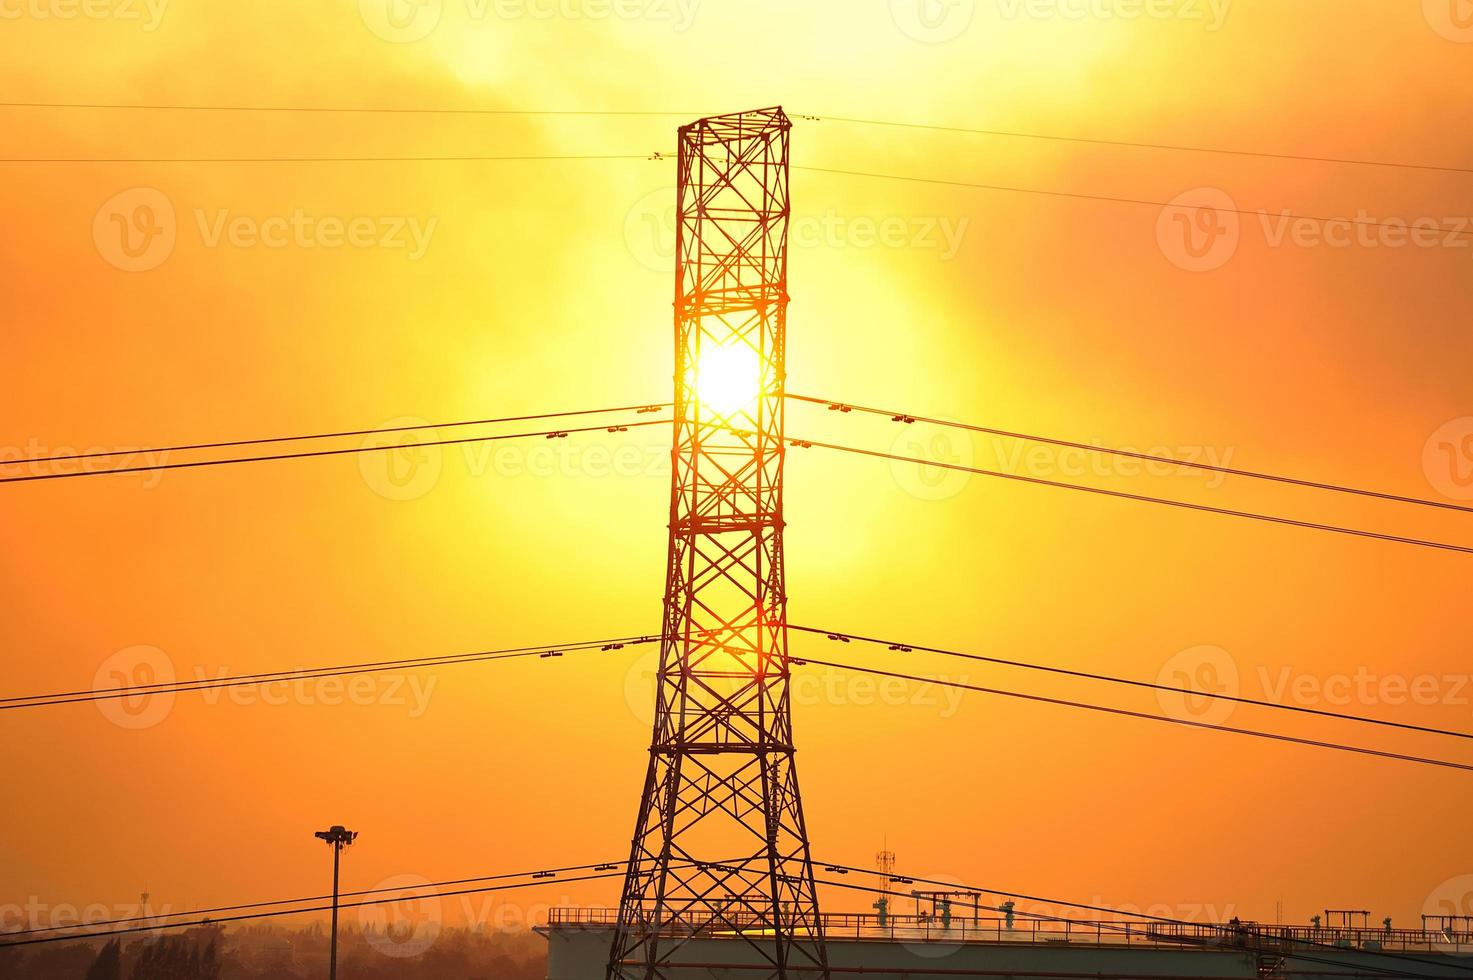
1049 931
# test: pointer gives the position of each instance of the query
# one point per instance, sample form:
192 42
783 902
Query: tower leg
720 847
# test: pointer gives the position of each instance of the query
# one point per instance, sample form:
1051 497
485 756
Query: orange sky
544 286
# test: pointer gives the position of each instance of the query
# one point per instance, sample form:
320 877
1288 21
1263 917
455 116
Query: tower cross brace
720 846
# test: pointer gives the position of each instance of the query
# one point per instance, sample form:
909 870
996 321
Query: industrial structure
720 843
720 881
1022 946
336 837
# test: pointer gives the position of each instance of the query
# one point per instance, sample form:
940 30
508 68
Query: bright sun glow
728 379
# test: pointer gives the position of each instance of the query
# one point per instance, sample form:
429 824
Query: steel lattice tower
720 846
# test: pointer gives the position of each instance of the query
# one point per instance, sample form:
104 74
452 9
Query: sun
729 378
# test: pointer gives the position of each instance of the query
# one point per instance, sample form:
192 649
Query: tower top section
736 126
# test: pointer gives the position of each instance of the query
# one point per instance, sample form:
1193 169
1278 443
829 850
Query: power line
907 418
1400 227
300 911
314 673
601 866
407 110
898 645
641 408
1072 195
540 877
548 877
548 434
848 120
1124 712
1145 146
1204 508
345 159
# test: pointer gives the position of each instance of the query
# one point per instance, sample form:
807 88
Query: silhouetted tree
209 962
177 959
109 963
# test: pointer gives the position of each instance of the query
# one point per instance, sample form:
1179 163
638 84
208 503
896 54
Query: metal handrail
1043 929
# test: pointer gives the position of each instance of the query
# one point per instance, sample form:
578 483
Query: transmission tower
885 861
720 846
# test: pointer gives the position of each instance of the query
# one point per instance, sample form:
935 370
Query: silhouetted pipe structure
721 789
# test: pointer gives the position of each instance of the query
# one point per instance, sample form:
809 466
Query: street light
337 837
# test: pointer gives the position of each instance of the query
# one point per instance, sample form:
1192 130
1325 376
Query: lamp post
337 837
